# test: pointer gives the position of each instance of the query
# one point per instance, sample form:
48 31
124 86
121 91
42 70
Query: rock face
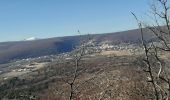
34 48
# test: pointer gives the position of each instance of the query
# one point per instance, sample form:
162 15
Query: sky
21 19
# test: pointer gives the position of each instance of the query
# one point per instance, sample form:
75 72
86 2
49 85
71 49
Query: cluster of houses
119 47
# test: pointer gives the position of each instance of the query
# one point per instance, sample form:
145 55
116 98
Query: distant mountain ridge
24 49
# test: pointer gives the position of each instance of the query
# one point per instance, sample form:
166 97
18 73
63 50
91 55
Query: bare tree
146 60
77 55
161 29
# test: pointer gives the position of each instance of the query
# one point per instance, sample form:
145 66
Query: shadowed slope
24 49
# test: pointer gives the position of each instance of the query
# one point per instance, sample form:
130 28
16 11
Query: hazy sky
20 19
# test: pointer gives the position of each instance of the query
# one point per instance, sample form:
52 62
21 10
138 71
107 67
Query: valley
107 69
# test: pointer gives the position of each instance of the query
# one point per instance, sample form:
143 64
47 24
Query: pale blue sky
20 19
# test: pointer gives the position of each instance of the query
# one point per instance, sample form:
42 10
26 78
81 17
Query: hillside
24 49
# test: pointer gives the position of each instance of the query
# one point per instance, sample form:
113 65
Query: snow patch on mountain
31 39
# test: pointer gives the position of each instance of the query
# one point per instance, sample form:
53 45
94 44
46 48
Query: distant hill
24 49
